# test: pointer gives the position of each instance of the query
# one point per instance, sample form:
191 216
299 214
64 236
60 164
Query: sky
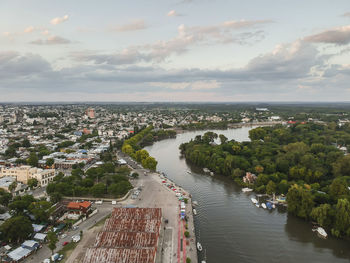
174 50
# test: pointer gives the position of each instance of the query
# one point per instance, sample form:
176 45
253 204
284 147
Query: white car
63 236
46 260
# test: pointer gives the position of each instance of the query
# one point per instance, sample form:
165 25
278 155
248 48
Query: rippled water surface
230 228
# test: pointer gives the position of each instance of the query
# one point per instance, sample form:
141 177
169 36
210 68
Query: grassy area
67 250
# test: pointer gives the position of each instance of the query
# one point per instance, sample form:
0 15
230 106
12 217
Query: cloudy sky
175 50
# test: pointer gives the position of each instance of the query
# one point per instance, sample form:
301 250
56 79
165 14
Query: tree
55 197
40 210
98 190
135 175
50 162
271 188
323 215
52 239
13 186
33 182
26 143
300 201
5 197
149 163
33 159
338 188
257 134
141 155
209 137
16 229
342 218
223 138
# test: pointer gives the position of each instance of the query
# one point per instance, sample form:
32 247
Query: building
130 235
25 172
90 113
79 208
6 181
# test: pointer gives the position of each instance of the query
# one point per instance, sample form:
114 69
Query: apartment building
26 172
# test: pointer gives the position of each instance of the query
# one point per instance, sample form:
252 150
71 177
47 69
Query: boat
273 206
246 189
195 203
199 246
195 212
269 205
211 173
321 232
257 205
189 172
254 200
263 205
206 170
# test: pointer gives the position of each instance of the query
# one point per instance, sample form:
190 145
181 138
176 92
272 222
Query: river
229 227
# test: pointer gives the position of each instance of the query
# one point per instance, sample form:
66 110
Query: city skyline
169 51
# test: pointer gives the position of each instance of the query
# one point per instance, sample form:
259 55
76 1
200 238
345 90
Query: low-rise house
249 178
79 207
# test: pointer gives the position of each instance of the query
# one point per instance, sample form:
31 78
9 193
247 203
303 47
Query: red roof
75 205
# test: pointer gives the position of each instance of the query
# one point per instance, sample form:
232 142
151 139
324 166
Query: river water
229 227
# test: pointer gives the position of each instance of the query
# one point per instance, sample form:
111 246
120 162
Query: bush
188 260
187 234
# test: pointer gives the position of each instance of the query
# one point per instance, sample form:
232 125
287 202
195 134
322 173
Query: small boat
246 189
206 170
199 246
211 173
263 205
273 206
195 212
254 200
194 203
189 172
257 205
269 205
321 232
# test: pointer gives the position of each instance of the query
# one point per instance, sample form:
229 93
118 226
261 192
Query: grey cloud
53 40
339 36
13 64
132 26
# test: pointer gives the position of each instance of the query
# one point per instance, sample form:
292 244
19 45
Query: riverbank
180 130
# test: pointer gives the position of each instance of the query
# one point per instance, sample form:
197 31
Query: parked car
63 236
46 260
65 243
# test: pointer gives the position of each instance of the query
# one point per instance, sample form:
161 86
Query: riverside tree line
301 161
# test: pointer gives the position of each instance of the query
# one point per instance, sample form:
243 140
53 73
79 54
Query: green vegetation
52 239
132 148
16 229
106 180
301 161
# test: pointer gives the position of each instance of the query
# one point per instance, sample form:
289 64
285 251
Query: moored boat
246 189
257 205
254 200
321 232
199 246
195 212
263 205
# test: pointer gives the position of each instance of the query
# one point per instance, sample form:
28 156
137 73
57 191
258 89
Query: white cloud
132 26
59 20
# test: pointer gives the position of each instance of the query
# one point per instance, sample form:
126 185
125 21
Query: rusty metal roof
126 240
130 235
137 213
132 225
119 255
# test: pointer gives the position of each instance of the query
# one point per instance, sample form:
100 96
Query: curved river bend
230 228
